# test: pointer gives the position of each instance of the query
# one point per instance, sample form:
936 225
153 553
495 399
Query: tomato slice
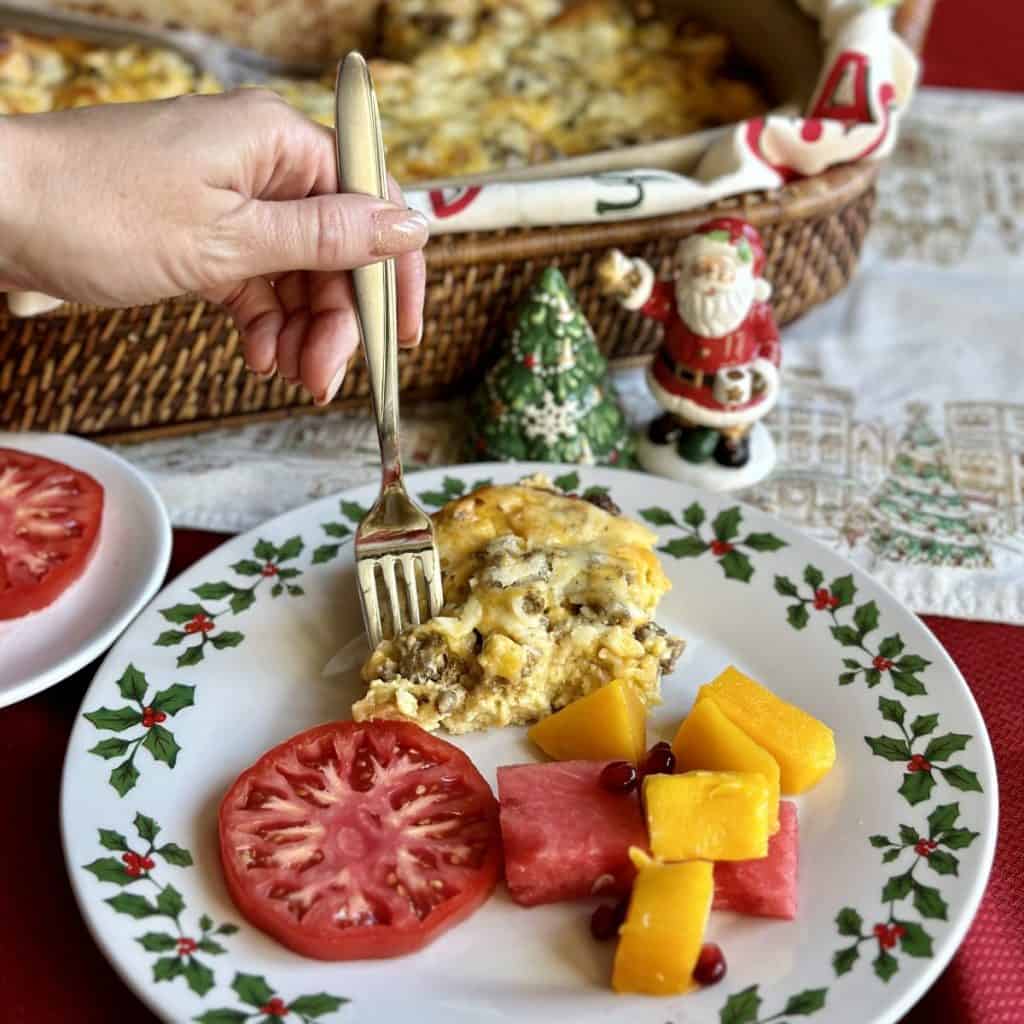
50 518
357 840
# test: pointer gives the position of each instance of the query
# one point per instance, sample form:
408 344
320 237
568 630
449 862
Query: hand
231 196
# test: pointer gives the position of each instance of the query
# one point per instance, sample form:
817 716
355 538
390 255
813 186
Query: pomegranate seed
659 761
618 777
711 965
606 920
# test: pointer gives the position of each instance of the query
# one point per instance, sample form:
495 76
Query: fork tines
400 583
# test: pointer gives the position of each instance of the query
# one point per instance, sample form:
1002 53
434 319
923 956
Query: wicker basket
177 367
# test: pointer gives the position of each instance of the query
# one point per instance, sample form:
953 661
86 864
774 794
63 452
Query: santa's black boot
733 454
663 430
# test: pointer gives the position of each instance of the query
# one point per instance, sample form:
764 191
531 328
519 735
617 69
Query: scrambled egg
464 86
548 597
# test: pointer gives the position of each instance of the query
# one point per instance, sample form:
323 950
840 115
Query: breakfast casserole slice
548 597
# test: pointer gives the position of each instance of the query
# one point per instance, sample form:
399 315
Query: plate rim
968 905
102 641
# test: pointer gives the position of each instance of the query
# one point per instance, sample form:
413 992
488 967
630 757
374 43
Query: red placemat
52 973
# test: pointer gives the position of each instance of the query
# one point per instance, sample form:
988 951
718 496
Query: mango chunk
660 940
804 747
609 724
708 740
709 815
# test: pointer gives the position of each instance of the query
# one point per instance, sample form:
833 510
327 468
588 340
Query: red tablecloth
52 973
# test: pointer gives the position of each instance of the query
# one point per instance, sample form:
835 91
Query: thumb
327 232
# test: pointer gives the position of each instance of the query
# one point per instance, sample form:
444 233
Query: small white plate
126 569
895 845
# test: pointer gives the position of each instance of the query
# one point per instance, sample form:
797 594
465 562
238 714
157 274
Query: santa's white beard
713 316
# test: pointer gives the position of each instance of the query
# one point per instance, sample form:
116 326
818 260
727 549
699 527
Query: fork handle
361 169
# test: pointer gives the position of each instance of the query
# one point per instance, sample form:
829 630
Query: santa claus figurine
716 374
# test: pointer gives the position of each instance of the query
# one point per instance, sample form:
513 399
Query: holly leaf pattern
111 840
849 922
693 515
660 517
316 1005
114 719
176 855
843 590
741 1007
885 965
797 616
915 941
942 748
803 1004
736 566
174 698
169 901
222 1016
222 641
892 710
923 725
160 742
191 656
684 547
198 976
110 869
132 904
917 787
157 942
167 968
111 747
844 959
763 542
179 614
252 989
962 779
928 902
726 525
124 777
890 748
132 684
865 618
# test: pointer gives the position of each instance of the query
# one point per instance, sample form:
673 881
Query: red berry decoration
146 863
659 761
721 547
711 965
268 570
275 1007
199 623
889 934
530 361
925 847
186 947
918 764
618 777
882 664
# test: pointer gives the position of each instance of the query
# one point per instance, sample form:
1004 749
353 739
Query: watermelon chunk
766 887
565 837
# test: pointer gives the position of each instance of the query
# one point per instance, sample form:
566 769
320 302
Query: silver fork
397 536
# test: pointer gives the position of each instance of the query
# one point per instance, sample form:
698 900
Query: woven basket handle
912 20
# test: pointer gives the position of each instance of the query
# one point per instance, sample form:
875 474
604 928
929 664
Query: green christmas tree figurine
548 397
919 515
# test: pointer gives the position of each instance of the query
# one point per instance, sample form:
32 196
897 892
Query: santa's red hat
738 233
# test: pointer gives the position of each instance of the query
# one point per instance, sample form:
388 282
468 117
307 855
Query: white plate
257 678
124 573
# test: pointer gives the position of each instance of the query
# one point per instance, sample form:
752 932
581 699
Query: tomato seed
618 777
711 966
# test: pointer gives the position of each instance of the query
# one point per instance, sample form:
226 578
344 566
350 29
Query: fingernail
266 374
396 231
411 341
332 388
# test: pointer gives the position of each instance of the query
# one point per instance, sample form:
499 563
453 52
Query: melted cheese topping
464 86
548 597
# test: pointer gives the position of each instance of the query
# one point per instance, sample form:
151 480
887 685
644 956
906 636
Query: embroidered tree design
919 515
